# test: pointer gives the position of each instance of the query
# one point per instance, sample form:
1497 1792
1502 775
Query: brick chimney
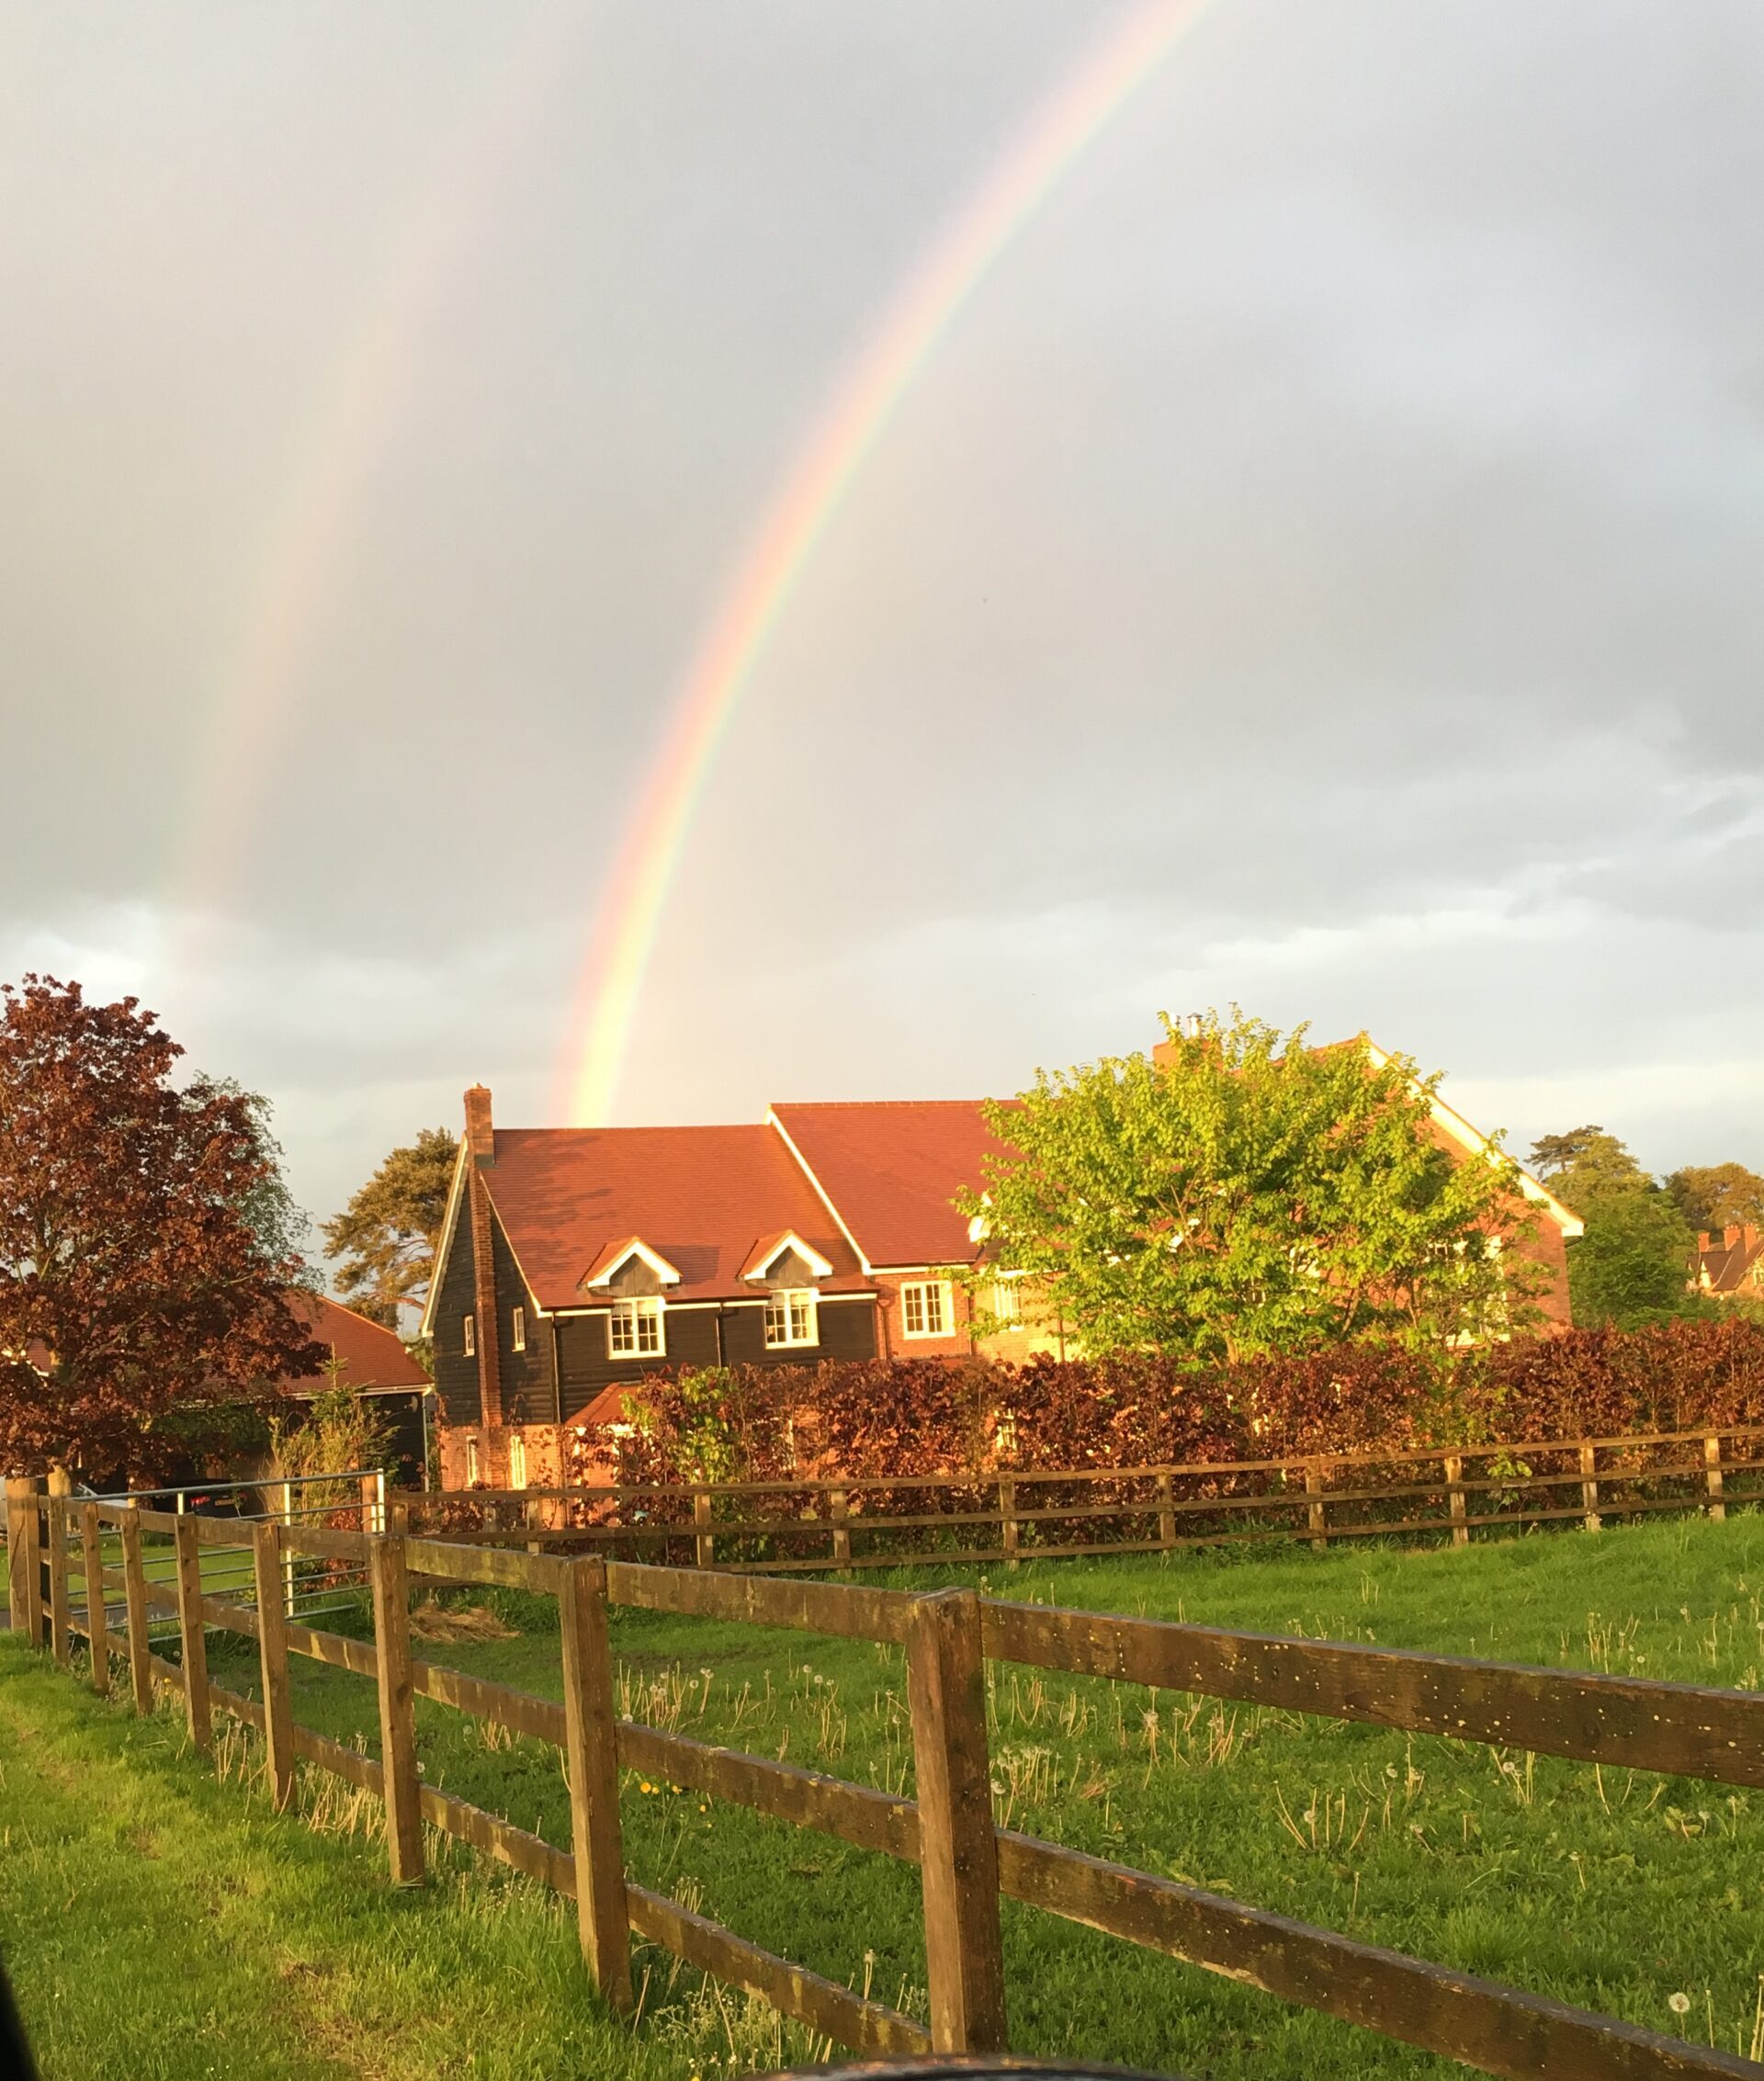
1731 1237
1703 1238
481 1138
480 1146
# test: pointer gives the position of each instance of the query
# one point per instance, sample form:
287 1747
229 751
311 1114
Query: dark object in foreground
972 2066
15 2053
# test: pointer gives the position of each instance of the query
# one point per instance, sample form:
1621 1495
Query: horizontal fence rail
965 1861
824 1524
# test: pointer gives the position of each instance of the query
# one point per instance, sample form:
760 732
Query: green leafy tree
1586 1167
1250 1193
337 1433
1632 1265
387 1234
1713 1196
282 1226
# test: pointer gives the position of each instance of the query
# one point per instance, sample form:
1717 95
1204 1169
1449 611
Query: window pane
934 1310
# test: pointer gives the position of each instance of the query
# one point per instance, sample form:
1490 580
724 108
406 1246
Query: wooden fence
877 1521
965 1861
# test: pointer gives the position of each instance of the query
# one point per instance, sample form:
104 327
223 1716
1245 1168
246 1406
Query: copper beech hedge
911 1416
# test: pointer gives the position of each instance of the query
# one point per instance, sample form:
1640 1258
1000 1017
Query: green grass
1614 1891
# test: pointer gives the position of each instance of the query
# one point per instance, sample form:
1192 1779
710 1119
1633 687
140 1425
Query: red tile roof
893 1167
701 1197
368 1356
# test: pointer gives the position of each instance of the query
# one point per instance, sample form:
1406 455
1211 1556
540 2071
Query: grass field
1614 1891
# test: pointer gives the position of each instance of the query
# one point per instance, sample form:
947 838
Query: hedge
910 1417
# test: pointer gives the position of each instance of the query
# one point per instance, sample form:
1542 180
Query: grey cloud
1318 567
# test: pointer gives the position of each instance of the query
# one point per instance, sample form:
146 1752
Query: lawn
1612 1890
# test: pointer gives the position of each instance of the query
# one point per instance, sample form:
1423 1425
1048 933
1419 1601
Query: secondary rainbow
630 912
353 422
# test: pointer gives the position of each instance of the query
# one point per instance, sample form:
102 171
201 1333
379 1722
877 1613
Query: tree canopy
1587 1167
387 1234
1248 1194
1716 1196
1632 1265
145 1252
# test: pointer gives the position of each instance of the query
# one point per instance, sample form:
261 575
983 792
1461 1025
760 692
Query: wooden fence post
704 1545
134 1583
591 1736
841 1527
1711 1478
272 1646
97 1623
59 1637
1453 1464
1166 1512
957 1846
193 1640
1007 1525
1314 1489
1588 1488
372 1517
397 1710
24 1543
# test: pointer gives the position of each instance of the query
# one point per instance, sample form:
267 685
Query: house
573 1261
1730 1266
888 1172
371 1362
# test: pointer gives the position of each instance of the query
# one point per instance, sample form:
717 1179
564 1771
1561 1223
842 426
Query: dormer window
785 1256
634 1328
790 1318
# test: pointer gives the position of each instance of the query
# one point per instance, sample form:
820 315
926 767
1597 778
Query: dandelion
1678 2004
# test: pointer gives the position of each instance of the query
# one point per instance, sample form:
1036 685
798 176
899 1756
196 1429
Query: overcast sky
1322 568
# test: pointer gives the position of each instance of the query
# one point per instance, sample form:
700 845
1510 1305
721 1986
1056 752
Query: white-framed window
469 1337
634 1328
790 1318
924 1308
517 1460
1004 1300
518 1340
472 1455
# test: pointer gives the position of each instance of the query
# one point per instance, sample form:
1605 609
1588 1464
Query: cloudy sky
1322 566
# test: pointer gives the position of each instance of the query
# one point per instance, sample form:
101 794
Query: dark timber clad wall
456 1376
529 1393
847 1331
587 1368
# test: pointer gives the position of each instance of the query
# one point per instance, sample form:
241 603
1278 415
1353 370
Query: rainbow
636 894
352 421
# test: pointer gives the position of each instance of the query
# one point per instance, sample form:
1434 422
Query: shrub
908 1417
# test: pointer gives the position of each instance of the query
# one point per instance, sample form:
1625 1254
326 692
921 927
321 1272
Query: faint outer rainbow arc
347 430
629 914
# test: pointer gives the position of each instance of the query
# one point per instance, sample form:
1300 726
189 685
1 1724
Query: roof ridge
670 1127
874 1104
